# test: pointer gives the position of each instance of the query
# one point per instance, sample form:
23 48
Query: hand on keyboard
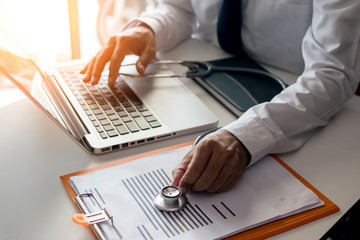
137 38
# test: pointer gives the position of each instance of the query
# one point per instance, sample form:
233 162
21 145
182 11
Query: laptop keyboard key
109 112
150 118
101 116
114 104
87 96
122 113
118 109
126 104
155 124
96 123
113 117
132 127
122 129
105 107
90 101
130 109
142 123
141 108
146 113
134 114
126 119
103 135
93 106
78 97
108 127
117 122
88 112
104 122
97 111
112 133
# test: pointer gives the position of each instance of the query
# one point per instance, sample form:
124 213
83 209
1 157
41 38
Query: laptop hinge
75 126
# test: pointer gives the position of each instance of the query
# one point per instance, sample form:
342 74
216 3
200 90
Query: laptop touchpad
172 101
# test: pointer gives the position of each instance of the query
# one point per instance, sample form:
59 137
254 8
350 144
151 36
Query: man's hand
213 165
138 38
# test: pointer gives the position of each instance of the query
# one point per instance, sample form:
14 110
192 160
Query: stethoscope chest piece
170 199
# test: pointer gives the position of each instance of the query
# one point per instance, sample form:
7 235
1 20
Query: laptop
105 118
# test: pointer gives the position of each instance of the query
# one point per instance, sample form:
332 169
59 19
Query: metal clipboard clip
98 218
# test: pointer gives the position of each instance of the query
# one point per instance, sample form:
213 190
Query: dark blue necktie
229 26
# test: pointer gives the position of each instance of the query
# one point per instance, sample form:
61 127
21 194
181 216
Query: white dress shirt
316 39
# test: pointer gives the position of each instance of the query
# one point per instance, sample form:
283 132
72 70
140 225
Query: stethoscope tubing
208 69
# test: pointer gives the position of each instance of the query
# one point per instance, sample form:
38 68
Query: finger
89 70
115 62
84 69
89 67
102 57
181 168
230 181
178 173
197 165
99 65
235 165
144 59
232 167
97 70
210 174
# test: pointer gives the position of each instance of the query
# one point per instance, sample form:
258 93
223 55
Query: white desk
35 152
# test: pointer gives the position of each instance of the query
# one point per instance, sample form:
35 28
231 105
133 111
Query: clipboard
264 231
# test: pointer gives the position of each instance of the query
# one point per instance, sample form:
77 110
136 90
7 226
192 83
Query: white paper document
266 192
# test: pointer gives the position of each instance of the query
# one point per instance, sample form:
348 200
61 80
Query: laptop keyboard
114 110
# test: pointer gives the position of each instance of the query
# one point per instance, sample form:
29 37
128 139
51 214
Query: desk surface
35 152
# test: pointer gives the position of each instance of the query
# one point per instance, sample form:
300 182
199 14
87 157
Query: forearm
332 72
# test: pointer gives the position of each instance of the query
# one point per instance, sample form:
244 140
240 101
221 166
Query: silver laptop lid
178 109
19 68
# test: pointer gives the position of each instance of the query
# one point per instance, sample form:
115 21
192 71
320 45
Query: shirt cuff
252 132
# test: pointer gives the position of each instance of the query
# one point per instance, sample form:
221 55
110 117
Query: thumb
144 59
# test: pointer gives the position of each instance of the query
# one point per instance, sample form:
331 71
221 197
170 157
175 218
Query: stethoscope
198 69
170 198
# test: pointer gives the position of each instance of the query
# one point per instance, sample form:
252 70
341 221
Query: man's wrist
242 147
138 23
248 155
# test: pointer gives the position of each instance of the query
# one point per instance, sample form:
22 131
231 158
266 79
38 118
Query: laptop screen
17 66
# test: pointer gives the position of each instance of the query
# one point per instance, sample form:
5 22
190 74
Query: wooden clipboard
260 232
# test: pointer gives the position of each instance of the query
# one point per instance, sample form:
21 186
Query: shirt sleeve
172 22
331 53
